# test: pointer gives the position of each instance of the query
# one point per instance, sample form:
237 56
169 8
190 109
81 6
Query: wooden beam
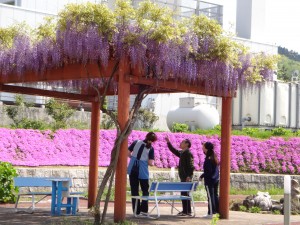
67 72
46 93
121 171
225 157
94 154
171 86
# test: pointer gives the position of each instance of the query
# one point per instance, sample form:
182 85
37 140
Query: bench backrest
35 181
173 186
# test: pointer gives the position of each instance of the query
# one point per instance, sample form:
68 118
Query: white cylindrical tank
199 117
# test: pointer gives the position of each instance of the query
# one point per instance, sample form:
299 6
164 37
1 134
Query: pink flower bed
71 148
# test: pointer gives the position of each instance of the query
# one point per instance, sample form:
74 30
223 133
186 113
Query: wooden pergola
129 81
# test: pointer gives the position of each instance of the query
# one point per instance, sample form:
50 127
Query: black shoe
182 214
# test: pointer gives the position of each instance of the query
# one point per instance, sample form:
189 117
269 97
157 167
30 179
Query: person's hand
167 139
188 179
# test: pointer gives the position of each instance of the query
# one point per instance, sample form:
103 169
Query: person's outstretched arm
172 149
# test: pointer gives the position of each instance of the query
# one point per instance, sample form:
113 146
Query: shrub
243 208
146 118
7 189
250 131
60 112
280 131
16 114
215 219
180 127
276 212
255 209
26 123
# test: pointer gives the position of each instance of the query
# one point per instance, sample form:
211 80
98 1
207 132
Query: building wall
273 104
244 18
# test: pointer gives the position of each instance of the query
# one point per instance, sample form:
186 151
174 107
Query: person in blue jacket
211 178
141 154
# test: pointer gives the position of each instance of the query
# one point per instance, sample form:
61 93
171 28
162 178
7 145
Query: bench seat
157 193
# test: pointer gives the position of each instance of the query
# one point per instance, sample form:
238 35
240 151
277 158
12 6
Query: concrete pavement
8 216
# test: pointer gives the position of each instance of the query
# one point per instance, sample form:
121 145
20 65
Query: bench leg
32 203
69 203
157 209
75 202
135 207
194 209
172 208
59 199
17 202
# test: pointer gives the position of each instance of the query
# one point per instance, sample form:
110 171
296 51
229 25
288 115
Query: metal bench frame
172 188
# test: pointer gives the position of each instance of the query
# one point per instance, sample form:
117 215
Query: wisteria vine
188 57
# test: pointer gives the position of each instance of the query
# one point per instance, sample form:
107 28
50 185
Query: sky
279 24
283 25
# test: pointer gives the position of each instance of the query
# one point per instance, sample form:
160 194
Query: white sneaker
208 216
143 214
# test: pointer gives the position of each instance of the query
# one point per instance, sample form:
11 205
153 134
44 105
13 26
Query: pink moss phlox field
71 147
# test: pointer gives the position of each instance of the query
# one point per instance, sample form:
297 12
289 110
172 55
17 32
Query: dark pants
212 197
186 204
134 185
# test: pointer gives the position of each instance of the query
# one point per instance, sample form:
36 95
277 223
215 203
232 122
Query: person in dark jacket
185 170
211 178
141 154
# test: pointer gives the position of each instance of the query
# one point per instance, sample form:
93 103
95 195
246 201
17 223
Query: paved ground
8 216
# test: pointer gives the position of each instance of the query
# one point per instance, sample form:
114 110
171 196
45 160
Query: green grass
252 132
271 191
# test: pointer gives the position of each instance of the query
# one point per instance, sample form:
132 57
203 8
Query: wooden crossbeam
46 93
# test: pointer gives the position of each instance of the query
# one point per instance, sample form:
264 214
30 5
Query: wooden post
225 157
121 172
94 153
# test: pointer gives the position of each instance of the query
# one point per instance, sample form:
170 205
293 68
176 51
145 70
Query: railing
184 8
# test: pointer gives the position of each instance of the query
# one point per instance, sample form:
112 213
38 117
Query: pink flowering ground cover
71 148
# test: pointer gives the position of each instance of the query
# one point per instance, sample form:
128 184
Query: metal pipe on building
297 106
275 102
241 107
290 105
258 108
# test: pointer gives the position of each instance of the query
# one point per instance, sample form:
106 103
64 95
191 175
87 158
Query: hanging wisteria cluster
162 47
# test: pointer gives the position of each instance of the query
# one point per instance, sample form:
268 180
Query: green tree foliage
8 34
7 189
60 112
146 118
289 53
286 67
107 122
79 15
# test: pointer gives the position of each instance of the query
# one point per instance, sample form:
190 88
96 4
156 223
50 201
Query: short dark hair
151 136
188 142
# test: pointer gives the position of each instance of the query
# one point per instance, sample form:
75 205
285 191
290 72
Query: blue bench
36 182
168 192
